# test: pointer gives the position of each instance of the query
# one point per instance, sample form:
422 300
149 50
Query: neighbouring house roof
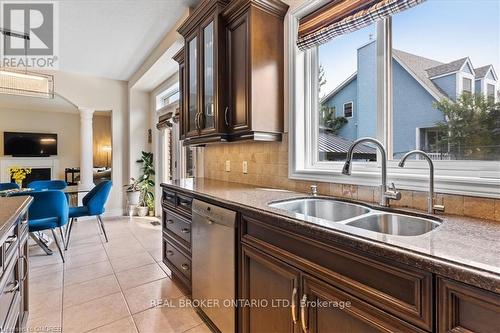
450 67
417 67
481 72
339 87
331 143
422 70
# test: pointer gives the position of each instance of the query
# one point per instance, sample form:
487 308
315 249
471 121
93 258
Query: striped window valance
343 16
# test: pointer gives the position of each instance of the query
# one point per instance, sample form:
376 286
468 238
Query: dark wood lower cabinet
326 309
290 282
273 286
463 308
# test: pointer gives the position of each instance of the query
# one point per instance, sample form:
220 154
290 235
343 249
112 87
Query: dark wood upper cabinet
255 55
179 58
233 71
203 103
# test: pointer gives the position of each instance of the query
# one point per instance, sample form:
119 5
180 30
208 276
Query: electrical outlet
245 167
228 166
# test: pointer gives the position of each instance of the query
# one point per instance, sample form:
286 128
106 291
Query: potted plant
133 191
146 185
19 174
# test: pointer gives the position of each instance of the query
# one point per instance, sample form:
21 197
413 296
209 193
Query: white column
86 147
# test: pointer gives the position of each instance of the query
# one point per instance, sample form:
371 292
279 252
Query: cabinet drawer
9 247
169 198
464 308
9 288
184 204
327 307
178 260
180 227
403 291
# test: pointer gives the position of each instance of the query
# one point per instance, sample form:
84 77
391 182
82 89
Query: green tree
472 126
327 115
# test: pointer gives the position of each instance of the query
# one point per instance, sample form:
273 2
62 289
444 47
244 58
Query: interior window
168 96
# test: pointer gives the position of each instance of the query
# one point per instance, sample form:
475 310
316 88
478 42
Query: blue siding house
418 82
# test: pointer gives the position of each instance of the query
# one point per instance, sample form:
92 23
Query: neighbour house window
348 110
467 85
401 75
490 92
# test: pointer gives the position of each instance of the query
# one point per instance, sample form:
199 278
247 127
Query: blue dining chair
93 205
8 186
39 185
49 210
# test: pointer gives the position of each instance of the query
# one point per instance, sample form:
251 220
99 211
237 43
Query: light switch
228 166
245 167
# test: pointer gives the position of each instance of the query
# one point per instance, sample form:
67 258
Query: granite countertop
10 209
461 248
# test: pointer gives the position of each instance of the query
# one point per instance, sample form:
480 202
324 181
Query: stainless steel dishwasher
214 263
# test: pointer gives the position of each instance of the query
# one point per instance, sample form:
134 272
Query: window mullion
384 85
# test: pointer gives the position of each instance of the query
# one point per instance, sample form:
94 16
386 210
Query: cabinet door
182 89
270 283
208 113
191 109
326 309
464 308
237 36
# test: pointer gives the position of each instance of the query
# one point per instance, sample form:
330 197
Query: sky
442 30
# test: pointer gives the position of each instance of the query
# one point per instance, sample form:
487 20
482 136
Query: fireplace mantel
6 162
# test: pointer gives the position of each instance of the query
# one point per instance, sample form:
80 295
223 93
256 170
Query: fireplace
36 174
43 168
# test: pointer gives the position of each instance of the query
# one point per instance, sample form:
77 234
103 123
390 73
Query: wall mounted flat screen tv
29 144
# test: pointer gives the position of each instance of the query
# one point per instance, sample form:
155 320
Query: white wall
65 125
103 94
138 126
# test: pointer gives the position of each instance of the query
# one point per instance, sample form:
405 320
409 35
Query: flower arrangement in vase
19 174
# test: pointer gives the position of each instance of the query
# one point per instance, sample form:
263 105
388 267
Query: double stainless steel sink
359 216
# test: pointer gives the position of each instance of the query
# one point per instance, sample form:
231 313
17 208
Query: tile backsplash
267 165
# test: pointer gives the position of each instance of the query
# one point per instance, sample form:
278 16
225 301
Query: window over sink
412 82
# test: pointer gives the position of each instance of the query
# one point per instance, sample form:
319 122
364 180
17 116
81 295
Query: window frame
352 109
452 177
166 94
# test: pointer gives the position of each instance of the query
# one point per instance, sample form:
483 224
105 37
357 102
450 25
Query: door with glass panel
208 111
191 116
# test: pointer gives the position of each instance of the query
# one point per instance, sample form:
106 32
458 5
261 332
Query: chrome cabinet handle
226 115
294 306
196 121
185 267
11 239
170 253
13 289
25 260
303 315
170 221
185 230
200 119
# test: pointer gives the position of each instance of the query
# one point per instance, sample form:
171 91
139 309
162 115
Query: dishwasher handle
211 214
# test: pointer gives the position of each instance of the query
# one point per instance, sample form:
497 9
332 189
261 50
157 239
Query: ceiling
56 104
111 38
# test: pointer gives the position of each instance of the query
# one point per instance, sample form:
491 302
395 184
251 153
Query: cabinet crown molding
200 13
